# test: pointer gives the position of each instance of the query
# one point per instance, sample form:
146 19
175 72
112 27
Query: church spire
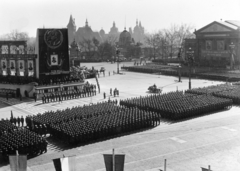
86 24
71 19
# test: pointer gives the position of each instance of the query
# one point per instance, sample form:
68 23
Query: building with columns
216 44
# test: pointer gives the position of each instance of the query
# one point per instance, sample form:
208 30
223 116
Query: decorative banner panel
21 65
53 51
4 64
12 65
30 68
54 60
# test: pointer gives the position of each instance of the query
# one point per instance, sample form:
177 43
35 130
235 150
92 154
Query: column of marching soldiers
82 124
88 90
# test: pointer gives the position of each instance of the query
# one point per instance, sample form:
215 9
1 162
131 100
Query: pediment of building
215 27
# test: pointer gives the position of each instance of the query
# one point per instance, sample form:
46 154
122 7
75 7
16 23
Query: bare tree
88 46
176 35
153 40
16 35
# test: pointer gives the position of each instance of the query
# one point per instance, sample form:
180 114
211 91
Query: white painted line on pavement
177 140
230 129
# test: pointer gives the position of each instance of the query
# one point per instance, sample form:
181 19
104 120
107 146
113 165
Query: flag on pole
119 162
18 162
65 164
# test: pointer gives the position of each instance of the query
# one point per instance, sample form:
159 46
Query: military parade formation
17 138
178 105
91 122
82 124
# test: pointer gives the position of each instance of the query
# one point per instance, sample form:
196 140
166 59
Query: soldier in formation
20 139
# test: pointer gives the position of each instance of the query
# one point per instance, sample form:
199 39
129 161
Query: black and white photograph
120 85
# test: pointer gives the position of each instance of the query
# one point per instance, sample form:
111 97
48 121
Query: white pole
113 159
165 164
209 168
17 160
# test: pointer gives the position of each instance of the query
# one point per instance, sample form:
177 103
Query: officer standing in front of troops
35 96
18 121
43 100
22 120
104 95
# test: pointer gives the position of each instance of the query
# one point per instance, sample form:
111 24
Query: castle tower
86 23
71 30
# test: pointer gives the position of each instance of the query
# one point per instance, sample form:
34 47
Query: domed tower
114 30
71 30
102 34
136 32
125 39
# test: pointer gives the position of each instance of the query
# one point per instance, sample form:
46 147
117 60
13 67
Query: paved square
188 145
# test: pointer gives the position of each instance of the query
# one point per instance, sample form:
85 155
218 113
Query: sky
28 15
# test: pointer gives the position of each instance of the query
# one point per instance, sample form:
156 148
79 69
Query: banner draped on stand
18 163
119 162
65 164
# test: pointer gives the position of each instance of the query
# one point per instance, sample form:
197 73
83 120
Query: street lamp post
117 54
190 58
232 46
179 67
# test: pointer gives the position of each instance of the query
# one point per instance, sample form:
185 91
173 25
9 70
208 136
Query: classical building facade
216 44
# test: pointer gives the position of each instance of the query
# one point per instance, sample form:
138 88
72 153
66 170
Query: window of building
4 49
13 49
208 45
21 49
220 45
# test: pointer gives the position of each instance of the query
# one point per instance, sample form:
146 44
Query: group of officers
87 91
20 139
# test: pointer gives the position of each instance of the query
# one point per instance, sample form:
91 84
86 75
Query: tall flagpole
113 161
17 160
